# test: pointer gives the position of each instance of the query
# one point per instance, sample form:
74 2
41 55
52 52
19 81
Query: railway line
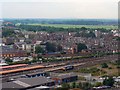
55 67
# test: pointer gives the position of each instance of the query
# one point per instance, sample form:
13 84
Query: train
9 67
68 67
21 69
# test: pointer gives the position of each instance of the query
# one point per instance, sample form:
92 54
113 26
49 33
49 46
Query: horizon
66 18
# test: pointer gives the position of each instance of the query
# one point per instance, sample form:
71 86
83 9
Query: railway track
54 67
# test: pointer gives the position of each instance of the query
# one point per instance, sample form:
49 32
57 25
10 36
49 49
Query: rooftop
11 85
27 82
61 76
36 80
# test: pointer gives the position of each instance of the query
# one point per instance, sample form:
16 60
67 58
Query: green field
77 26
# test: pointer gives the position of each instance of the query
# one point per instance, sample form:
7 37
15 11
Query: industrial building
27 83
65 78
39 80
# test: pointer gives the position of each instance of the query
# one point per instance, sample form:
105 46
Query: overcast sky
59 9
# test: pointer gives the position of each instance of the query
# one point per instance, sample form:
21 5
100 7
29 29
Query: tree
50 47
59 48
8 60
73 85
118 38
104 65
83 28
27 61
39 49
79 85
118 62
85 34
35 59
65 86
85 86
91 34
108 82
7 32
98 84
81 47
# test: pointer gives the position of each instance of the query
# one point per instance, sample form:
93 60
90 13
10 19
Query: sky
98 9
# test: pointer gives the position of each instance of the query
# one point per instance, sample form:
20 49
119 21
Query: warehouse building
65 78
37 74
27 83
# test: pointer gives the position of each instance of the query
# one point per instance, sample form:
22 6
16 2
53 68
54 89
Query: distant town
60 54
